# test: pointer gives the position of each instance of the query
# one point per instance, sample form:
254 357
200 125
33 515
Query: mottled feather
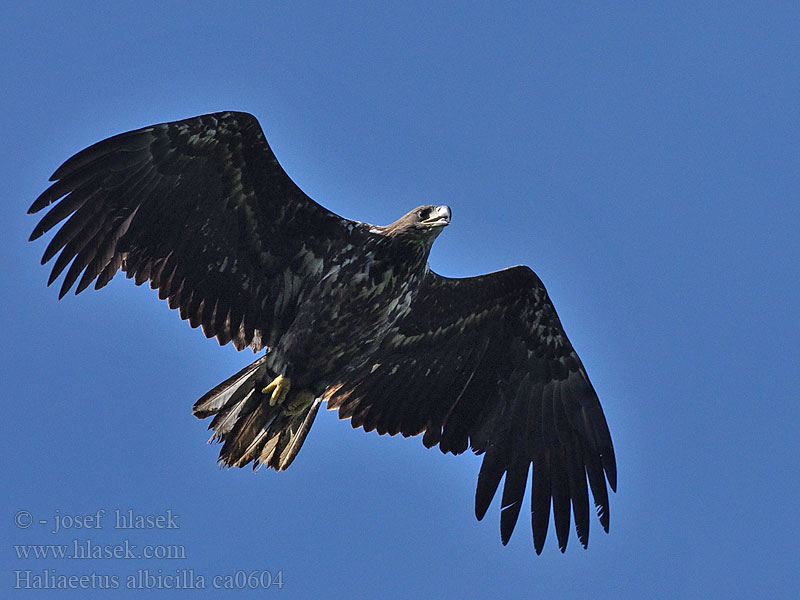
202 209
514 388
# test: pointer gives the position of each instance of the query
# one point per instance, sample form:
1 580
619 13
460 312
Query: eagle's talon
279 387
299 403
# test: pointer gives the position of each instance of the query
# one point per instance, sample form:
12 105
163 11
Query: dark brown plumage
349 313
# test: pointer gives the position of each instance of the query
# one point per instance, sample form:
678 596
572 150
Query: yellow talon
300 402
279 387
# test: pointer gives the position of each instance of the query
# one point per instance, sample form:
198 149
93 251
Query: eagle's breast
346 313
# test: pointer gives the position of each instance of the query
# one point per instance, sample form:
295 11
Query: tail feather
293 447
249 428
231 390
225 420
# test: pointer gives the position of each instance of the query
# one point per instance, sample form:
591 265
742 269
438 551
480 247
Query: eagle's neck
410 251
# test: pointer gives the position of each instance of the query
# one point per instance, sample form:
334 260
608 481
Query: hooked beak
440 217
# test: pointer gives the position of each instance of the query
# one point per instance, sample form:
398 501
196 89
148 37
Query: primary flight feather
349 313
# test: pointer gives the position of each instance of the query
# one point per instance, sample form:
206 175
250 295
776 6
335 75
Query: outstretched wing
202 209
484 362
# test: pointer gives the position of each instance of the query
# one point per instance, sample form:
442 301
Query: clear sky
643 159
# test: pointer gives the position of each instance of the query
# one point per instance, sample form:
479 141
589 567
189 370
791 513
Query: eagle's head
424 222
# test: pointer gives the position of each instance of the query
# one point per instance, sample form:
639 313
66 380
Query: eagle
346 313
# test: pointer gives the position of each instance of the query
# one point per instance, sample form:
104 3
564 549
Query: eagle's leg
279 387
300 402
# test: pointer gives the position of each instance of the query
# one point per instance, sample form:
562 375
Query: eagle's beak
440 217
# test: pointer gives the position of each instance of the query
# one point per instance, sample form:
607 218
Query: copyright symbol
23 519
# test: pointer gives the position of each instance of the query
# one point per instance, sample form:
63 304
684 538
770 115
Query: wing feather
200 208
484 362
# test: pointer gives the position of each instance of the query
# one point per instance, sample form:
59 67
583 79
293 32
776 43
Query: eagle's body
348 313
345 312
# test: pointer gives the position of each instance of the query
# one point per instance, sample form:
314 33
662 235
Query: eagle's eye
424 213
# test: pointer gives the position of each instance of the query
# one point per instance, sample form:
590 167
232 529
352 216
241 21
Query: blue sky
643 159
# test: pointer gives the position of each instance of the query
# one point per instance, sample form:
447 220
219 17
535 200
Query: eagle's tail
249 428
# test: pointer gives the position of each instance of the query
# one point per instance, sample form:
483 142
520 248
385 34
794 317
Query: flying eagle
349 313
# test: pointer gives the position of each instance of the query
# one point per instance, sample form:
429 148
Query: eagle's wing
484 362
202 209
